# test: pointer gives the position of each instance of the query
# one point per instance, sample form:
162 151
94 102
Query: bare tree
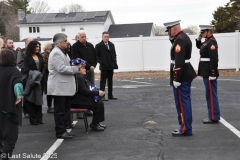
71 8
160 31
12 29
38 6
63 10
4 10
192 29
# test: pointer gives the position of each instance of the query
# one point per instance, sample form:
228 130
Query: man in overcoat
107 58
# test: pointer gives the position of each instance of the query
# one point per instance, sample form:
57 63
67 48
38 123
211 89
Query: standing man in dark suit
181 76
85 50
208 69
108 62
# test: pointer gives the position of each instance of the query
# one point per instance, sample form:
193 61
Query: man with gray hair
85 50
61 84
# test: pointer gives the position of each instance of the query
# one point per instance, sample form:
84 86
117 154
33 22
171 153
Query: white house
43 26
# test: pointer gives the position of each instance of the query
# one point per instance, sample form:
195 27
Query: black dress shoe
65 136
104 99
177 133
34 123
71 134
176 130
112 98
103 125
208 121
97 127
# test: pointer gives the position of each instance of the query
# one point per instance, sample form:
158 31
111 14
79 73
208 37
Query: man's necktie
107 46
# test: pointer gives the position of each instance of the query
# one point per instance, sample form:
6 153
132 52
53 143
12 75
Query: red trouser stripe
211 99
181 110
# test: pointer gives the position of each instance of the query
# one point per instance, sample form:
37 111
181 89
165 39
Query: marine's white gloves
176 84
212 78
199 37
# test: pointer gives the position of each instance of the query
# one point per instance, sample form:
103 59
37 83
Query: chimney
21 14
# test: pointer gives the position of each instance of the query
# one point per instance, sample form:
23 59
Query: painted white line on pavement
55 146
139 82
133 86
229 126
234 80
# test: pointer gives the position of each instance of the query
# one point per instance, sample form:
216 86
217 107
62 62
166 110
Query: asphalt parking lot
139 126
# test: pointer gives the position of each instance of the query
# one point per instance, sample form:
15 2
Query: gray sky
190 12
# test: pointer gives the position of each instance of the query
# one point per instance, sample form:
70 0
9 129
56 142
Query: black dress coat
86 53
29 64
181 50
208 49
9 76
84 96
106 57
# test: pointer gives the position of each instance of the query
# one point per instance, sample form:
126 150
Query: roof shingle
130 30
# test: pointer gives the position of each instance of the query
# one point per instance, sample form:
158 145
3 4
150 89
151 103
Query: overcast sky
190 12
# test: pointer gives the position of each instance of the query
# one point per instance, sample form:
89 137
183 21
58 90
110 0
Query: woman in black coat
84 98
10 102
34 61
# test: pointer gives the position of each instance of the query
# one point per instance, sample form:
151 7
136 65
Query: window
34 30
63 28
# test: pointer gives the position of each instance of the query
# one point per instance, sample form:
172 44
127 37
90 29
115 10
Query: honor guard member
208 69
181 76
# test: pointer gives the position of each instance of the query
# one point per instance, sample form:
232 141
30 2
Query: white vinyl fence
153 53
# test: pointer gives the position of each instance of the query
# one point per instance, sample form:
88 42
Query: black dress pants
8 135
49 100
98 111
62 105
35 112
106 75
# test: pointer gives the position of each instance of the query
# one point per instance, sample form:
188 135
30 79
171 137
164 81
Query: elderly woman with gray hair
61 84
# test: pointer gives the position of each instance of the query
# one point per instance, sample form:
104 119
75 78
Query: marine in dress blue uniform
181 76
208 69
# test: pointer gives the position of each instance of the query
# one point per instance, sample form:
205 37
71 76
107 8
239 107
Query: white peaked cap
204 27
171 24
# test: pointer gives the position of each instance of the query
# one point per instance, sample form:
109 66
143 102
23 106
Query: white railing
153 53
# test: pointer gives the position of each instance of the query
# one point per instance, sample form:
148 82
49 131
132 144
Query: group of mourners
62 74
